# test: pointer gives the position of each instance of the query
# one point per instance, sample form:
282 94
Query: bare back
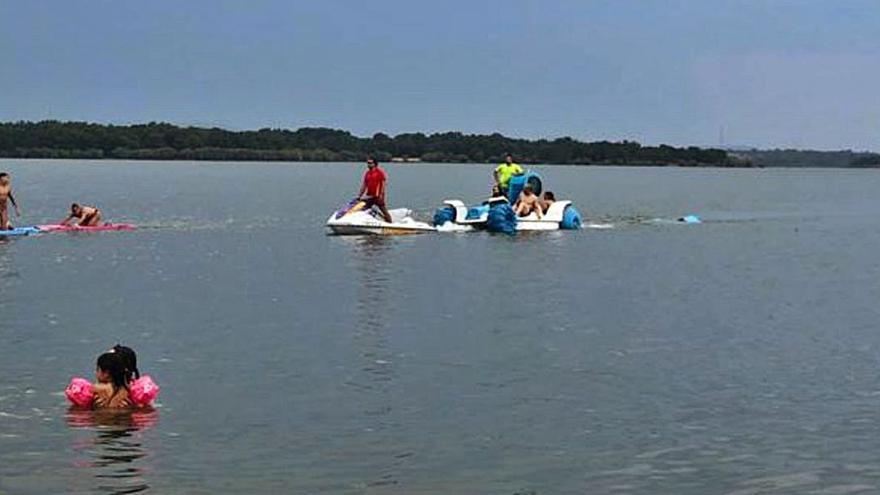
106 399
86 211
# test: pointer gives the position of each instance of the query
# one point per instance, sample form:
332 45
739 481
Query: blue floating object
501 219
571 219
443 215
690 219
19 231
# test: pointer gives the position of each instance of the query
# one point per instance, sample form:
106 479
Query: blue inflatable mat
19 231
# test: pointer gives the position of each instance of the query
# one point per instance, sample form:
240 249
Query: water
737 356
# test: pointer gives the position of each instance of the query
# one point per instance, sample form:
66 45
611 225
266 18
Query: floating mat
19 231
77 228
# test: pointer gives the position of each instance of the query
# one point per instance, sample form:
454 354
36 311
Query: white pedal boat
496 215
551 220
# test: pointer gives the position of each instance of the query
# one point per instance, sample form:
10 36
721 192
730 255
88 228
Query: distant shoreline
110 160
167 142
388 162
162 141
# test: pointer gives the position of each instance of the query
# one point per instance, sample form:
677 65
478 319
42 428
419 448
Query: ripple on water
844 489
767 484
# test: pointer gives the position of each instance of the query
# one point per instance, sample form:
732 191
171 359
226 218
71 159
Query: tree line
808 158
163 141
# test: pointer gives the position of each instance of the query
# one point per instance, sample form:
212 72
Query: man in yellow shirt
504 172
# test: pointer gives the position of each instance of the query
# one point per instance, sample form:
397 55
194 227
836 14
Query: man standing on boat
504 172
373 188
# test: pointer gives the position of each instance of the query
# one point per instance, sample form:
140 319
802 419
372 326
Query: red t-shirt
375 180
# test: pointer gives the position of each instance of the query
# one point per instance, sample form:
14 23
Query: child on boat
548 199
528 202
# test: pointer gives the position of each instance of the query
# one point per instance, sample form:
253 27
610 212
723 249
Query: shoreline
383 163
168 142
172 161
165 141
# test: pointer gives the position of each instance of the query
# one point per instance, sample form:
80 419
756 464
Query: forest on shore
808 158
163 141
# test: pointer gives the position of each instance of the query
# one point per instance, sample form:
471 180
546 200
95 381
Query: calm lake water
737 356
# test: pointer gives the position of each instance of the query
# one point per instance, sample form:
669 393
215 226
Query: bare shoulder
105 397
102 388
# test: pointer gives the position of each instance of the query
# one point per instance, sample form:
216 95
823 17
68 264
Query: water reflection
372 265
116 451
7 273
373 260
5 264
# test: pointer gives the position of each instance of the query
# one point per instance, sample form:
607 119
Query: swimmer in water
6 196
111 391
86 216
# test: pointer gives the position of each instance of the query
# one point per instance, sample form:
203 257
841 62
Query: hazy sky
771 73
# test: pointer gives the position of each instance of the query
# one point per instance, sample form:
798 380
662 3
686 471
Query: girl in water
119 383
111 391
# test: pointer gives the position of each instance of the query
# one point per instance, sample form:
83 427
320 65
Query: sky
801 74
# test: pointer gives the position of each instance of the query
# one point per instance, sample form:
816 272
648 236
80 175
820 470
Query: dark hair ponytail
113 364
129 359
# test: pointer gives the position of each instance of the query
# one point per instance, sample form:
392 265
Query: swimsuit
87 219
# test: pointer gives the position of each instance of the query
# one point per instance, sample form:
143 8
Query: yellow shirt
506 171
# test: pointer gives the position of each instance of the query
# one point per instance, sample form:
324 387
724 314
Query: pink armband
143 391
79 392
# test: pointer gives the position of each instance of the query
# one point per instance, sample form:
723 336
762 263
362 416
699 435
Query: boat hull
364 230
366 223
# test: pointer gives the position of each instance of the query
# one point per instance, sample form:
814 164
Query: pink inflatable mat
77 228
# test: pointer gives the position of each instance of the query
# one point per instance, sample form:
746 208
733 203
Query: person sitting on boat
496 192
373 188
86 216
528 202
548 199
504 171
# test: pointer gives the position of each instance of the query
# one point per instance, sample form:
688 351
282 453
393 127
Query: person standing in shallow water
373 188
6 196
